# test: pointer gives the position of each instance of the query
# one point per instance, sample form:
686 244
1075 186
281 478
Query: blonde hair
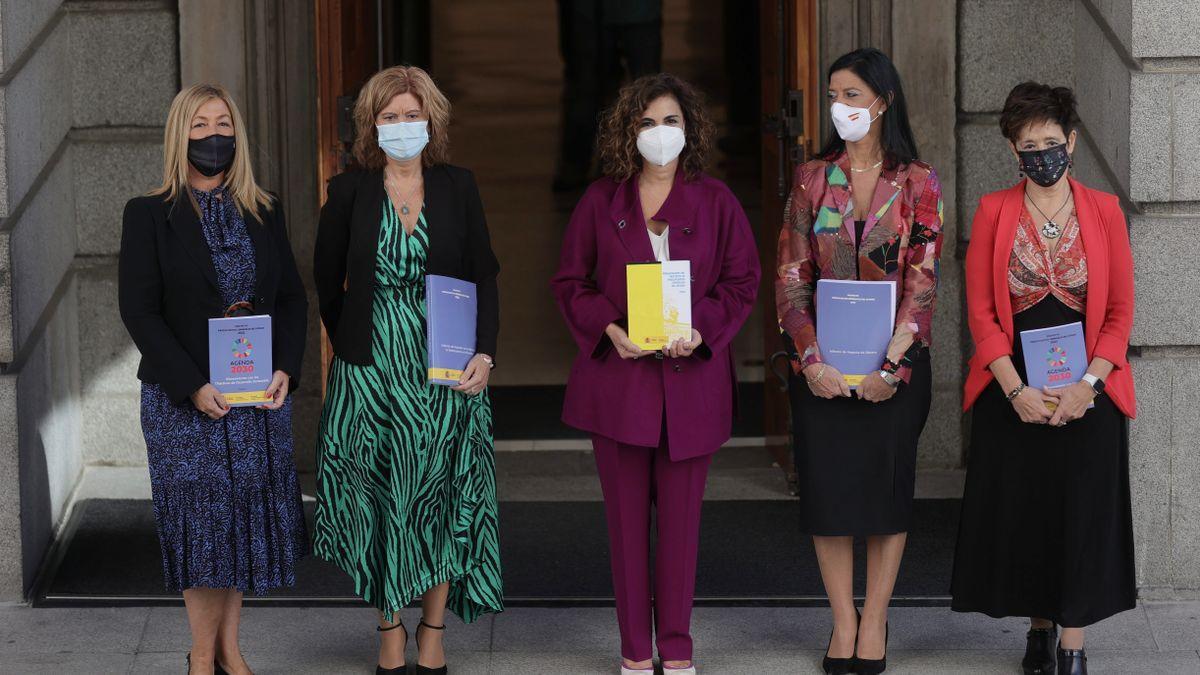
379 92
239 177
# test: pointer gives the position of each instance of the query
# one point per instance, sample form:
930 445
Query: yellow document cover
660 303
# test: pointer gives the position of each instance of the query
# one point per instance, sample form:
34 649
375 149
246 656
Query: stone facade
82 94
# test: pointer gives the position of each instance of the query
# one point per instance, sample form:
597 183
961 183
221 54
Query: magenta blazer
625 400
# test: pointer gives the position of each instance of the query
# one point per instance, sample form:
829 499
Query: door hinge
793 112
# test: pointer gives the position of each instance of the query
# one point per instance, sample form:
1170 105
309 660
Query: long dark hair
878 71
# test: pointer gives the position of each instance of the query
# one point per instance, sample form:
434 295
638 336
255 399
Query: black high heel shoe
872 666
403 669
1039 651
839 666
424 670
1072 662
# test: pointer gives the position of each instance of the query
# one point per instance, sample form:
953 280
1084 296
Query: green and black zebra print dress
405 472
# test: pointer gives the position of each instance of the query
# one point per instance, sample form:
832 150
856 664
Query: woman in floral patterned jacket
866 210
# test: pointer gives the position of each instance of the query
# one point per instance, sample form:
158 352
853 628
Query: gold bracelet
820 374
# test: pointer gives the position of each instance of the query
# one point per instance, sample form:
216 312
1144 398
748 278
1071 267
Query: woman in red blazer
1046 528
656 418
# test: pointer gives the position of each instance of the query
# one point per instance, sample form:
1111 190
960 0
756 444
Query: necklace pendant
404 209
1051 230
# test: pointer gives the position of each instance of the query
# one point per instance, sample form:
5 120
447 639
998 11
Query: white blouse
658 242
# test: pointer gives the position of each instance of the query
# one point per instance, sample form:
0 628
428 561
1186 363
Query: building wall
83 85
1135 68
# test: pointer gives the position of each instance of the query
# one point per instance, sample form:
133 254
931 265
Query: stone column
1138 82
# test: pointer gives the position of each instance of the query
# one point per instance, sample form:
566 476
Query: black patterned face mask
1045 167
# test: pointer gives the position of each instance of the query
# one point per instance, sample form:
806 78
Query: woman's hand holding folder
825 381
626 349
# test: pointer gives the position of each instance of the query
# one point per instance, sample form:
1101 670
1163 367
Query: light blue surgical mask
403 141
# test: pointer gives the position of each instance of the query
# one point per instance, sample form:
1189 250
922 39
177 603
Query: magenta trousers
635 480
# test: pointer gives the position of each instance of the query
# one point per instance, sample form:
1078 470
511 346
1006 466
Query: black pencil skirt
855 460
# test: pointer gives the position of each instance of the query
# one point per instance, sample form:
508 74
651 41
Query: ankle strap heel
402 670
424 670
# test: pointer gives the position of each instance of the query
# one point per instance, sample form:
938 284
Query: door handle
781 376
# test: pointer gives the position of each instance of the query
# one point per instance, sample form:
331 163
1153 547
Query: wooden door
347 45
791 99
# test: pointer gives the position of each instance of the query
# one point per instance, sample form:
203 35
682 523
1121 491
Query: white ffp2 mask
852 123
661 144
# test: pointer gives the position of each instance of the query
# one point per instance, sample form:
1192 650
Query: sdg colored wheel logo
242 348
1056 357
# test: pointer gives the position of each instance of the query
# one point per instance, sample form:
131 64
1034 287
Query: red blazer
625 400
1109 311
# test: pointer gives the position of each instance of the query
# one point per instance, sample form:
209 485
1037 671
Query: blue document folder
855 321
239 358
1054 357
450 312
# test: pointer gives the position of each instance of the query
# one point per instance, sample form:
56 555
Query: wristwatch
1095 383
891 378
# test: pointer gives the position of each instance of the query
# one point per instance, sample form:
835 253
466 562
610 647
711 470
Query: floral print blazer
901 242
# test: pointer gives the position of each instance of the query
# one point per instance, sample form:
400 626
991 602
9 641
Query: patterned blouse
229 242
1034 272
901 243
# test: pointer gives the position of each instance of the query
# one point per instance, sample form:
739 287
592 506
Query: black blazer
348 238
168 291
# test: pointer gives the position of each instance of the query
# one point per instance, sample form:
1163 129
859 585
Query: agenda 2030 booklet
659 302
451 308
239 358
855 322
1055 356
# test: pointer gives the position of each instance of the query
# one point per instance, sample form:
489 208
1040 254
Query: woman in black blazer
207 243
406 500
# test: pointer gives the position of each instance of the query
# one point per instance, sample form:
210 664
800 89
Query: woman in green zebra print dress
406 492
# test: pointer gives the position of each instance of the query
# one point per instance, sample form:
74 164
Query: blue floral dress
226 498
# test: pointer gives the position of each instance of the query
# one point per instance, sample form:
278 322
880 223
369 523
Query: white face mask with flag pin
852 123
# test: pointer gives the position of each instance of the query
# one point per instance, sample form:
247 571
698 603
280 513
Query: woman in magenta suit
656 418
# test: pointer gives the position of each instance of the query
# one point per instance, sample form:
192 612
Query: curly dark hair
619 157
1033 102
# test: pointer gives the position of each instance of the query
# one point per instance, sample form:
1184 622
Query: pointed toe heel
425 670
863 666
402 669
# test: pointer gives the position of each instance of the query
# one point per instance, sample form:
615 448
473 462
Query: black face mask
1045 167
211 155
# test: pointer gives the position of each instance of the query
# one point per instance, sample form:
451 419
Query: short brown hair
375 96
619 155
1032 103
